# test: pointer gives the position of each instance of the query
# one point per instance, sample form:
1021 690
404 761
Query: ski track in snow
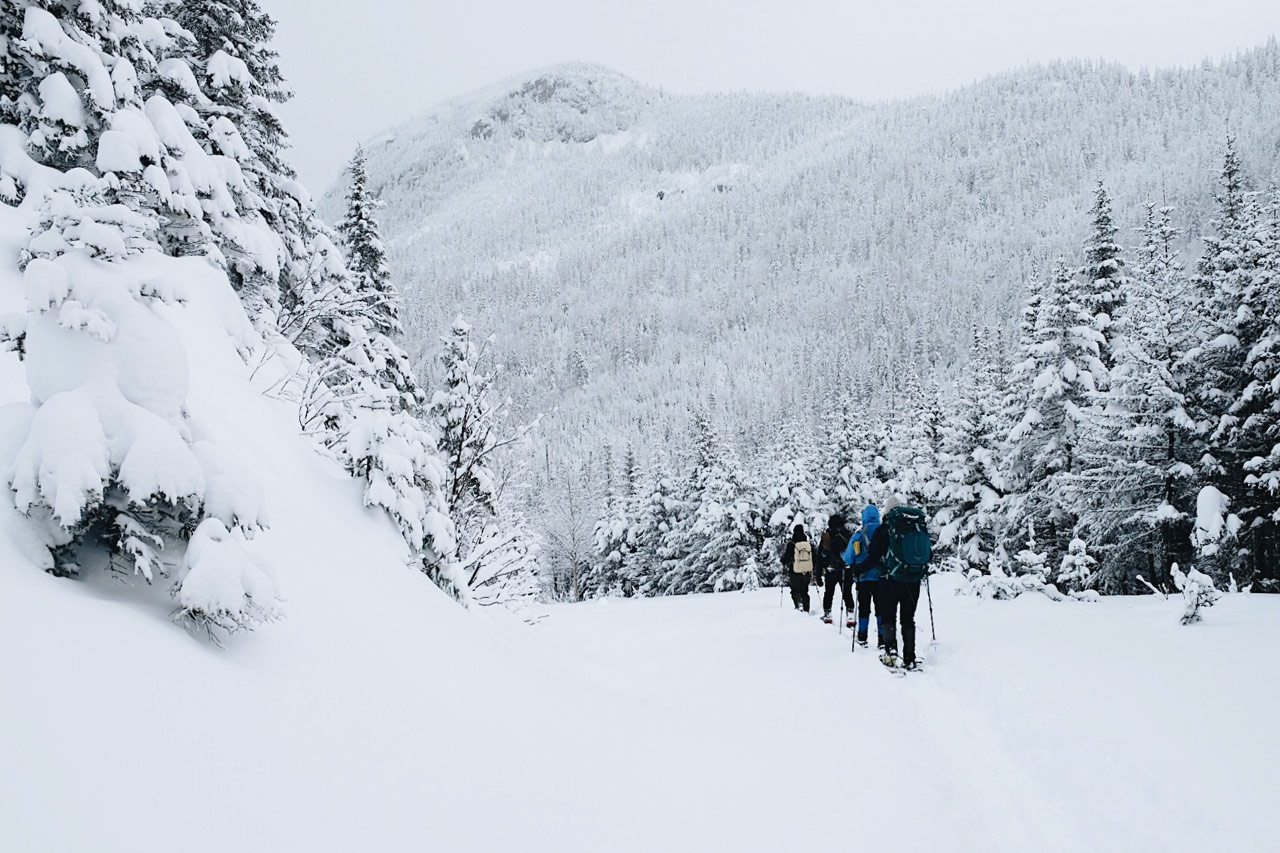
1017 737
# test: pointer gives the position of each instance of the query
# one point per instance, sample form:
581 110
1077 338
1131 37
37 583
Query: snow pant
897 595
799 590
843 578
868 591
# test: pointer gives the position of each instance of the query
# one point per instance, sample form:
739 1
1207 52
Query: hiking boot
889 658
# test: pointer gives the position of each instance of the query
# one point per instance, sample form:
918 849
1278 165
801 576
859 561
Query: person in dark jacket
798 559
856 555
894 596
831 547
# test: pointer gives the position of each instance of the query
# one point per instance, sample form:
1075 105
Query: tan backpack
803 558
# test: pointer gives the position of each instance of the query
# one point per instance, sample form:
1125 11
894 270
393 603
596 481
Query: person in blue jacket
867 573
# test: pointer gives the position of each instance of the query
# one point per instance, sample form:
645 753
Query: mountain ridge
634 274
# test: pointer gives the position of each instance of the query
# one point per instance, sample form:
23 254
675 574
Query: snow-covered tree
1105 282
366 256
1198 592
970 502
113 471
1134 491
1076 571
913 443
470 428
717 544
1257 411
1057 378
240 72
1226 325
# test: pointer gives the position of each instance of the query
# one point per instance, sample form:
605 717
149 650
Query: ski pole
933 632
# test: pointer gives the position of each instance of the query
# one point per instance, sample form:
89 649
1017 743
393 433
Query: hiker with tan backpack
798 560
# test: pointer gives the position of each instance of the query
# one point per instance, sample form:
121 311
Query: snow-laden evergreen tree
1056 378
113 470
240 71
788 484
1198 592
225 85
717 543
657 523
615 533
1134 491
1076 571
912 449
971 499
1105 281
845 474
470 428
366 256
1257 411
728 529
1225 327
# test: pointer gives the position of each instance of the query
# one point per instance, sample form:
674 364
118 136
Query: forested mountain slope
635 251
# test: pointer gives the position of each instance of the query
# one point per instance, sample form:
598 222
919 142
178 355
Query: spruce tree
972 494
1133 492
1105 280
366 255
1226 327
149 496
1057 380
1257 412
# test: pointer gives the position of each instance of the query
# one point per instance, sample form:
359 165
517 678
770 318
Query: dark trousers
868 591
799 590
897 595
843 578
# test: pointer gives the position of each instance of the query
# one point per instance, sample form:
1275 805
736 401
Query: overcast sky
359 66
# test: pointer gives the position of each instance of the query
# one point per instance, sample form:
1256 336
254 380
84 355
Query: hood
870 515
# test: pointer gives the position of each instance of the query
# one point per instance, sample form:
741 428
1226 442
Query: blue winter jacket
870 521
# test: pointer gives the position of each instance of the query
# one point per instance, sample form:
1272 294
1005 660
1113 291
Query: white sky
360 67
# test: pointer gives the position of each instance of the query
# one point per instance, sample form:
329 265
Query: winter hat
891 502
836 522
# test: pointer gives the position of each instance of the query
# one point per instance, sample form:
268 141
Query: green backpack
909 552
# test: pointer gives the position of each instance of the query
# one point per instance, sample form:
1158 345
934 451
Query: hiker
798 561
900 548
831 548
867 574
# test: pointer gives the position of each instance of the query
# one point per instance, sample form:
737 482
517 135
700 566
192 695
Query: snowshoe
889 659
862 641
914 666
850 623
827 618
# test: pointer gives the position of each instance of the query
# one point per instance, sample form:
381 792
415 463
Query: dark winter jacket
835 539
866 570
876 550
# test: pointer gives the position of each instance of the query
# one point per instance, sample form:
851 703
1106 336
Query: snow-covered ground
379 716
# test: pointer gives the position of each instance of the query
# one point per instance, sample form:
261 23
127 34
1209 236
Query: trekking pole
853 641
840 627
933 632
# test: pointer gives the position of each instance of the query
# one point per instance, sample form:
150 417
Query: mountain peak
571 102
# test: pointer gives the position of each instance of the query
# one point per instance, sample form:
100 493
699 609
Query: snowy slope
379 716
